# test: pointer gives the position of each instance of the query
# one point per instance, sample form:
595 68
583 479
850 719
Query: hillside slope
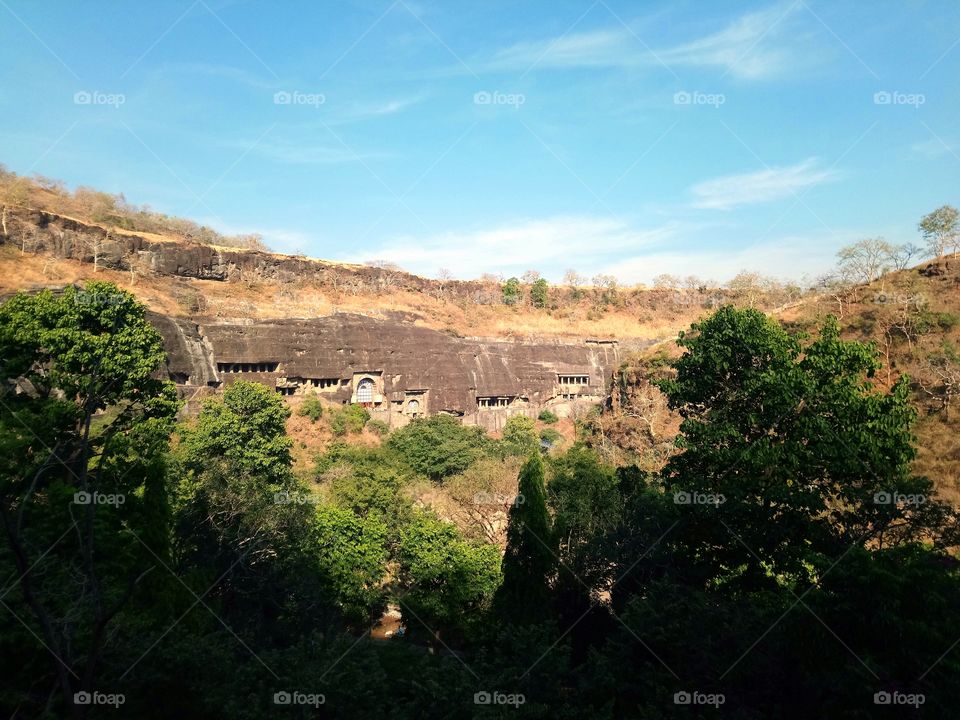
179 277
912 317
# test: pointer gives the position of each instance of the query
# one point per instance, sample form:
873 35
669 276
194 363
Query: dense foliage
786 562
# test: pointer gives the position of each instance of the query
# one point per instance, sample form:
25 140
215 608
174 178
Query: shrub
378 427
349 419
520 436
511 292
947 321
550 436
311 408
449 580
548 417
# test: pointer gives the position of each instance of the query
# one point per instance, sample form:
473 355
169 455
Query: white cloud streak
753 46
761 186
549 245
786 258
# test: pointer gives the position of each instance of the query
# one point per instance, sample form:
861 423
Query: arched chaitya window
413 407
365 391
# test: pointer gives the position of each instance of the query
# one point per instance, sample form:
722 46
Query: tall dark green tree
512 292
82 503
529 561
539 293
790 452
243 521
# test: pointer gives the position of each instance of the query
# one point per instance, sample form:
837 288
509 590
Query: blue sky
498 136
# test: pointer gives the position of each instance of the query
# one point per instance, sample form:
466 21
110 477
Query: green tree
941 230
349 420
584 497
82 503
372 490
311 407
789 453
448 582
351 552
439 446
245 523
529 560
551 437
539 293
512 292
246 427
547 416
520 436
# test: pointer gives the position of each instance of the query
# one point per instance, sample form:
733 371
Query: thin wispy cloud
219 72
336 113
790 257
753 46
306 154
935 148
761 186
550 245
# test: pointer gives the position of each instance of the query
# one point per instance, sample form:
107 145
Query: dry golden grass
265 301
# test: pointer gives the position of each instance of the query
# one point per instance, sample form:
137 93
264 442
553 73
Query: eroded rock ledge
398 371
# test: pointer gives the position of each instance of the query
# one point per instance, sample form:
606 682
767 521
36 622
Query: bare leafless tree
666 280
940 378
903 254
866 260
573 279
95 243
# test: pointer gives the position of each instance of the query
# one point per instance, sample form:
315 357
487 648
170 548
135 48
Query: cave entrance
365 391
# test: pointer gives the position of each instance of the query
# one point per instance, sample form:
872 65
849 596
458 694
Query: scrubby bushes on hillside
794 482
311 407
348 420
548 417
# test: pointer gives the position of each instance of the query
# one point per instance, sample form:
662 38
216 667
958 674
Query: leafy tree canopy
439 446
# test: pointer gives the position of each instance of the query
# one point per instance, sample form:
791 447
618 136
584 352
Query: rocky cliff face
71 239
399 371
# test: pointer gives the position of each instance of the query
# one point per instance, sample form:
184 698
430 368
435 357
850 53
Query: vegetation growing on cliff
787 563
